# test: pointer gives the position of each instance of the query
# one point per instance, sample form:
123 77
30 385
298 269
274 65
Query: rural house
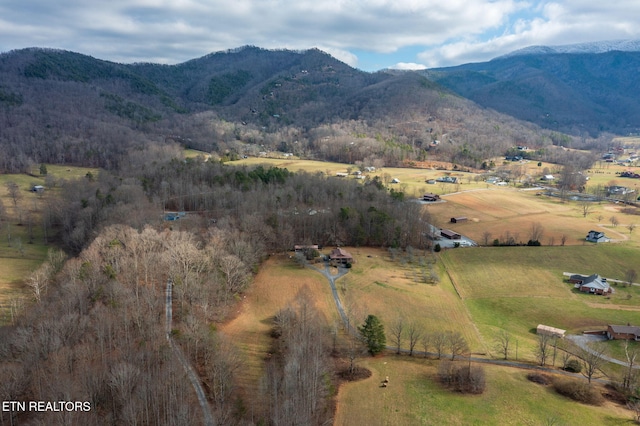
341 256
594 284
623 332
597 237
430 197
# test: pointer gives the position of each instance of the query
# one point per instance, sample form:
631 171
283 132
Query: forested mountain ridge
65 107
575 93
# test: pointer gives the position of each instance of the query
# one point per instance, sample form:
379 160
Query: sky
367 34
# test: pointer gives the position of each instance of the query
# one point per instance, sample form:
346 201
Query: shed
550 331
458 219
450 234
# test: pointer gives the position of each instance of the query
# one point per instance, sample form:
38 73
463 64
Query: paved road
583 341
193 377
579 340
326 271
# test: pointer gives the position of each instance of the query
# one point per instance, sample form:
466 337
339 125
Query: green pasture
517 288
19 254
414 397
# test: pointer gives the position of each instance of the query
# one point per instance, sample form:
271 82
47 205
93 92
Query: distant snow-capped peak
593 47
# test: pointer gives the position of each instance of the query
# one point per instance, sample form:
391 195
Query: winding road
195 381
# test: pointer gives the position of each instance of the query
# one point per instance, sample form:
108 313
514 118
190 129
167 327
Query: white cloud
449 32
406 66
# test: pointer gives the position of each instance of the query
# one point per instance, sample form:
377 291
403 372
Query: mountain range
54 102
578 89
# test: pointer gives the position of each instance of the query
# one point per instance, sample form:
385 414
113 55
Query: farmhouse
590 284
447 179
449 234
339 255
550 331
430 197
458 219
623 332
597 237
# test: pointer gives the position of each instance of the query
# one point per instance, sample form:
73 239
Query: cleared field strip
276 285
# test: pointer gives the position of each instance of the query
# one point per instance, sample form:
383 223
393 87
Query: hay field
412 180
388 289
498 211
413 397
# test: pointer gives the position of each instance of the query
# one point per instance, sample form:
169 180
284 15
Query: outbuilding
550 331
458 219
450 234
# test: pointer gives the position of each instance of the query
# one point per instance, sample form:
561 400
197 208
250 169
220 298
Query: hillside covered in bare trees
68 108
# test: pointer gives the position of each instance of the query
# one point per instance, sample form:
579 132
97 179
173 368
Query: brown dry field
275 286
506 209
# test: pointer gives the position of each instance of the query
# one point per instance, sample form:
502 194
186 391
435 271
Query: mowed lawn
517 288
414 397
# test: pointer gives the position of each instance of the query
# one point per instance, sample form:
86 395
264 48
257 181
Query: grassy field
498 211
18 256
491 300
414 397
518 288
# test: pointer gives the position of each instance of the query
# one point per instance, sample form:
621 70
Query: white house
597 237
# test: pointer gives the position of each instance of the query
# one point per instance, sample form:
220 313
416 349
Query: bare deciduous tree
457 344
14 192
503 342
397 332
614 221
542 348
536 231
592 359
630 376
414 333
439 342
